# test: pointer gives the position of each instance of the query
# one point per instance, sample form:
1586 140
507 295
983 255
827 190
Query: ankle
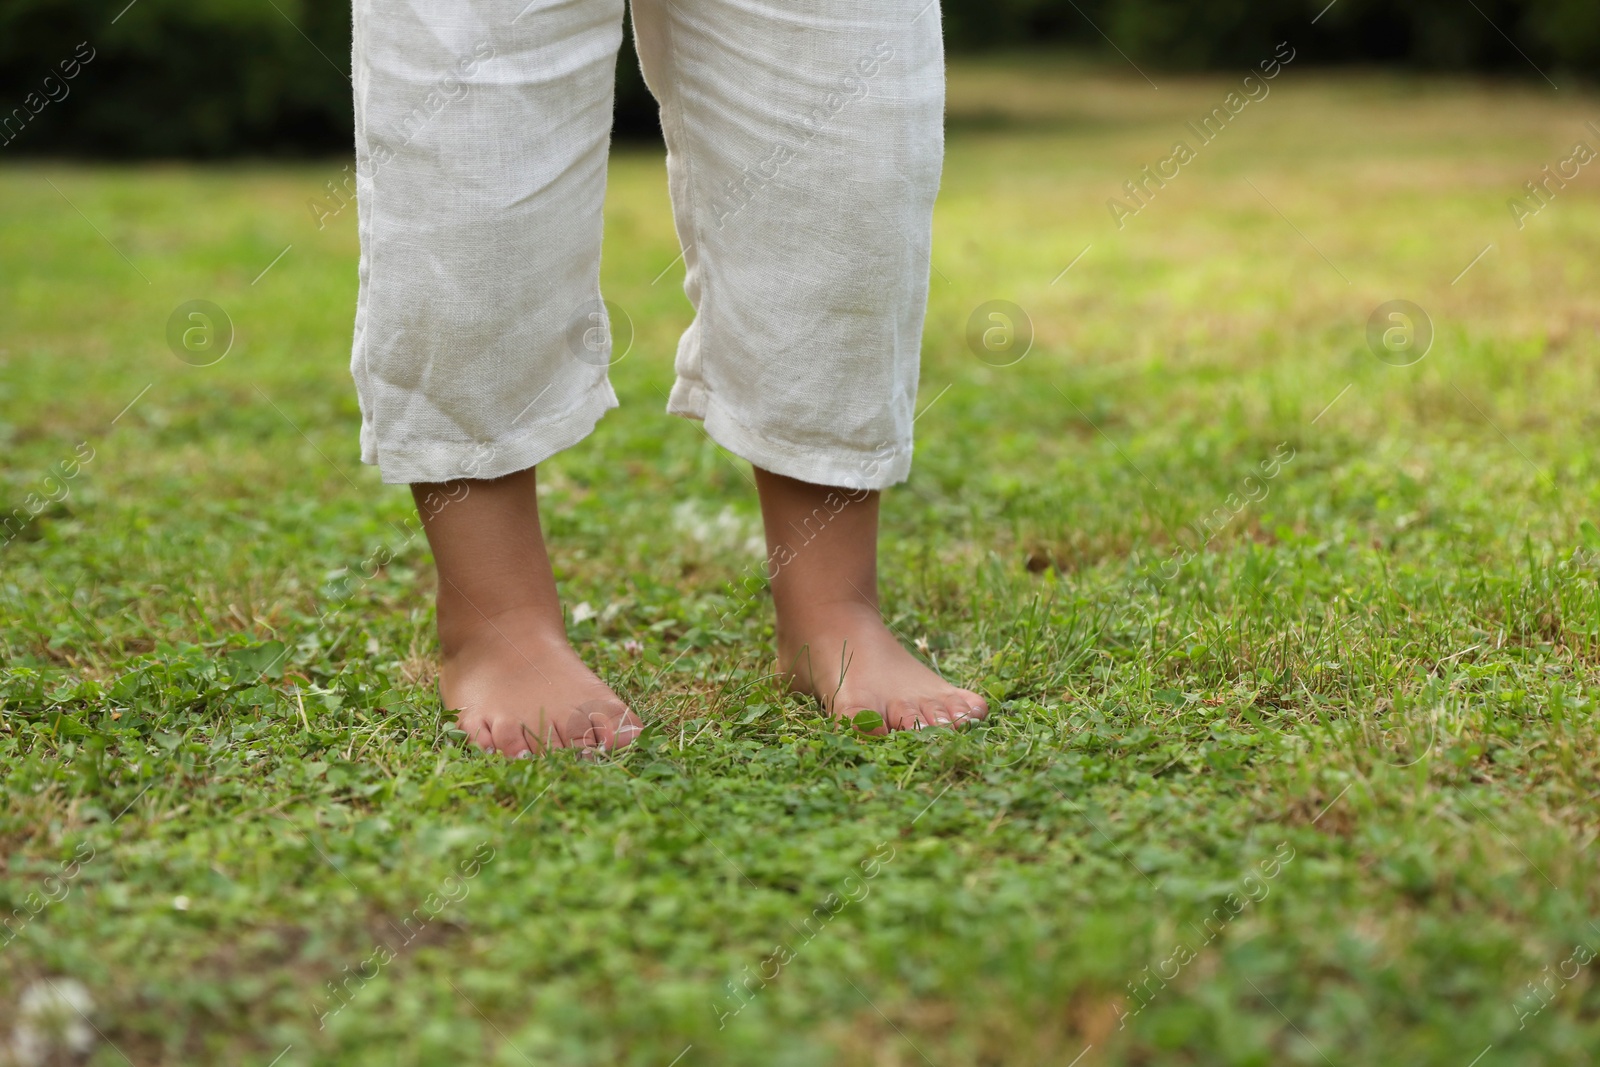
463 628
816 619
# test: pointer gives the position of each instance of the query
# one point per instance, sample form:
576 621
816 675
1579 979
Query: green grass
1366 707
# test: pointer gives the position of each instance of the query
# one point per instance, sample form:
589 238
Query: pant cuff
444 461
877 468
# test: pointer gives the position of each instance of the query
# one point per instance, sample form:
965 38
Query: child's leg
823 559
508 668
804 143
482 128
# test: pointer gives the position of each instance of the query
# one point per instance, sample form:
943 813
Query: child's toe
513 737
970 704
478 731
905 715
604 724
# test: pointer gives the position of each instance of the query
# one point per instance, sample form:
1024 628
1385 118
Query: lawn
1292 648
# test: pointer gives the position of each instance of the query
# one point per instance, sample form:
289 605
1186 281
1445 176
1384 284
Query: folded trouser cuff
849 468
527 447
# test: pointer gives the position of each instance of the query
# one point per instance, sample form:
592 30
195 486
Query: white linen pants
804 144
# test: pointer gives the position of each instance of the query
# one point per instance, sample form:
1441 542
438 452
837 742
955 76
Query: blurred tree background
222 78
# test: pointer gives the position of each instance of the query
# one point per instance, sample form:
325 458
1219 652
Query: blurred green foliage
217 78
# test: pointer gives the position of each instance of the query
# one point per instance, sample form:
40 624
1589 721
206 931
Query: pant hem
849 468
445 461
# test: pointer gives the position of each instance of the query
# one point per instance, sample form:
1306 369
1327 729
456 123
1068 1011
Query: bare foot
520 690
508 670
832 643
847 658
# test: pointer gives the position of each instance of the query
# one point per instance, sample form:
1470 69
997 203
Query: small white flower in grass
583 612
725 529
373 648
180 903
632 647
52 1023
